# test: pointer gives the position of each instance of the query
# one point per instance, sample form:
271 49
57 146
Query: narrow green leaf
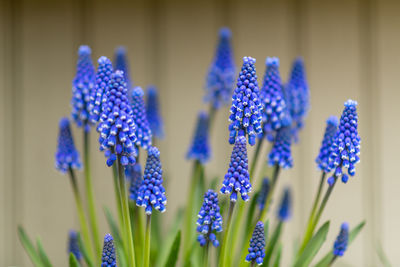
352 235
29 248
42 253
277 261
313 246
112 224
271 244
250 213
73 262
174 251
84 252
382 256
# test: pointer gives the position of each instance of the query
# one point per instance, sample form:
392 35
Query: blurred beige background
351 50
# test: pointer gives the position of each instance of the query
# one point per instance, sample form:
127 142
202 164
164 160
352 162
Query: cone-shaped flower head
345 149
284 211
98 96
340 245
82 87
152 193
200 148
237 179
143 132
108 258
275 113
281 153
323 157
262 196
66 156
246 107
134 174
117 127
121 63
257 245
209 219
73 246
154 113
221 75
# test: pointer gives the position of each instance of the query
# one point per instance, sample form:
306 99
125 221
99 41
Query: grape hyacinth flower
143 132
82 87
257 245
153 113
221 75
345 149
98 97
246 107
151 193
108 258
284 211
117 127
237 179
121 63
340 245
200 149
323 157
209 220
275 113
133 173
262 196
73 246
67 157
281 154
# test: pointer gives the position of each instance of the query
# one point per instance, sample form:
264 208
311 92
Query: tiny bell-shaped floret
257 245
108 258
200 148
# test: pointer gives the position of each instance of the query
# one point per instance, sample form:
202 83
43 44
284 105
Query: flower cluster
66 156
246 107
284 212
82 87
221 75
323 157
262 196
345 148
73 245
153 113
200 147
340 245
209 219
143 132
257 245
108 258
237 179
133 174
281 152
117 127
121 63
151 193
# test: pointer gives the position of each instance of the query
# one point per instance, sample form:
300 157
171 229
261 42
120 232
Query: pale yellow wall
351 50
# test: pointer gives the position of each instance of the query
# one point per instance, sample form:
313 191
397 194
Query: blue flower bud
66 156
323 157
281 151
143 132
134 175
108 258
284 211
262 197
73 245
154 113
257 245
200 148
340 245
121 62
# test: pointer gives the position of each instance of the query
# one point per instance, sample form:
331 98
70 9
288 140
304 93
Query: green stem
272 242
146 256
225 244
255 157
206 254
81 214
332 260
90 196
211 117
117 199
274 181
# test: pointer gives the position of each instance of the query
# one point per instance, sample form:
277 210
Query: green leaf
84 252
174 251
112 224
271 244
313 246
29 248
42 254
382 256
277 261
73 262
352 235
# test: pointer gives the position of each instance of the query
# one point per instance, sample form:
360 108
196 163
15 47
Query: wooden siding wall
351 50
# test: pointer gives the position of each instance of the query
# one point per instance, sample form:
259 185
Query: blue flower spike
66 156
262 196
98 96
330 131
108 258
257 245
121 62
345 149
281 153
275 112
133 173
73 245
340 245
200 148
143 132
151 193
237 179
284 212
153 112
221 74
117 127
209 220
82 88
246 110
